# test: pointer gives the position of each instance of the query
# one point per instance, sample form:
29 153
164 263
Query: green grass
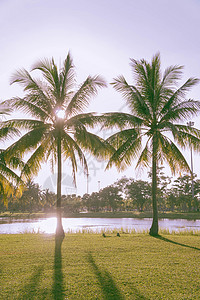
89 266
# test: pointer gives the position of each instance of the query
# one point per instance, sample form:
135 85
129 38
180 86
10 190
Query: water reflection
48 225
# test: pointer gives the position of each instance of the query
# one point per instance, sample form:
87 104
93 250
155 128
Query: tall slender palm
57 125
152 132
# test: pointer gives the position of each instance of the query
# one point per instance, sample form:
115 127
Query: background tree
31 199
163 182
140 193
72 203
182 188
153 131
56 128
49 200
94 202
111 197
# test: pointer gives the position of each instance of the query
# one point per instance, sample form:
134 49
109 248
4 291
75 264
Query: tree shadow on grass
176 243
58 283
30 290
108 286
106 281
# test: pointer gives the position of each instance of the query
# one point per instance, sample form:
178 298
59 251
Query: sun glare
60 113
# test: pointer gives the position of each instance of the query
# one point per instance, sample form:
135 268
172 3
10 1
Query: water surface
48 225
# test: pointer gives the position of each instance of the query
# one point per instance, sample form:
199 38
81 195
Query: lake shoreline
140 215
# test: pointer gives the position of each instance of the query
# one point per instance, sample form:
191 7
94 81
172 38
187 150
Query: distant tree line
127 194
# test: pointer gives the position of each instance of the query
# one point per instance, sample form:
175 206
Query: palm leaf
38 157
173 156
81 98
170 77
133 98
27 142
7 132
23 124
126 152
27 107
67 77
37 92
145 157
178 96
71 148
92 143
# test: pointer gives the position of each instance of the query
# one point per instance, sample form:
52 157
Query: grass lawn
89 266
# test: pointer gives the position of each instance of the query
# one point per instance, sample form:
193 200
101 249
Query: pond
48 225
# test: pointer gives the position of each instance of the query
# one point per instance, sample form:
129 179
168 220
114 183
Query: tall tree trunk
154 227
59 229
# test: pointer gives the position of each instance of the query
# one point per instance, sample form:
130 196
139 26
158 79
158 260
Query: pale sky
102 36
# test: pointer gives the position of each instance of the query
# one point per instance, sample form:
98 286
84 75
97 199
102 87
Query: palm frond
145 157
81 98
24 105
4 109
7 132
119 138
183 111
33 164
147 77
87 119
37 92
178 96
133 97
120 120
186 136
171 76
173 155
93 144
126 152
24 124
5 167
6 189
71 149
49 71
27 142
67 77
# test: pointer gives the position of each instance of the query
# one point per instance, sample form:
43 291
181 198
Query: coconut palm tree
153 132
57 127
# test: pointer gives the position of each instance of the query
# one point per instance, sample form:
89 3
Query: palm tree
152 132
57 127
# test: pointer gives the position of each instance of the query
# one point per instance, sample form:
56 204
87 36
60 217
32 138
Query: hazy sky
102 36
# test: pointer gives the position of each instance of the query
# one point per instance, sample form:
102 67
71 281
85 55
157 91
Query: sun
60 113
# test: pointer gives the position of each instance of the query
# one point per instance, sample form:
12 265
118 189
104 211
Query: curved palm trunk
59 229
154 227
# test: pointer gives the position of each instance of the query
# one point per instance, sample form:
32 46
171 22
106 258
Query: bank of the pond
140 215
89 266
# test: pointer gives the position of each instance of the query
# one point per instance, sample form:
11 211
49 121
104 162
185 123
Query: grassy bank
162 215
88 266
